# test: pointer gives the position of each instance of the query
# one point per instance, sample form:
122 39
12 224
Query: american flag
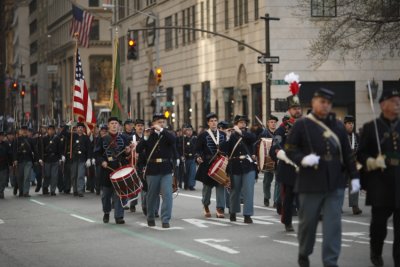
81 23
83 108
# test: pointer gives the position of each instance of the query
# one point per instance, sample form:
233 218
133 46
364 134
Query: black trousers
378 231
289 197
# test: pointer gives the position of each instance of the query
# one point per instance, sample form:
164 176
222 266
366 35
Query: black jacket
383 187
5 155
24 149
81 148
50 148
186 146
165 151
307 137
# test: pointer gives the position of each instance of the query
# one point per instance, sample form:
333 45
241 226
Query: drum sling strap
151 154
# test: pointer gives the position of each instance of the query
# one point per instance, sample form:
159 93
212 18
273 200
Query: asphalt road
68 231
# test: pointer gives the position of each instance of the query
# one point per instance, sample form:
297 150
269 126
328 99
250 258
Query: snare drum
217 171
126 183
265 162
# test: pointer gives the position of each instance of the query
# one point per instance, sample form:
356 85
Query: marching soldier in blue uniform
319 146
10 138
185 146
50 157
5 154
241 168
24 156
207 148
111 152
158 144
381 176
286 169
81 159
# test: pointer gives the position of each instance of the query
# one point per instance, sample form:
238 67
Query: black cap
293 101
187 126
139 121
324 93
113 119
158 116
272 117
348 118
51 126
104 127
389 93
211 115
128 121
80 124
241 118
223 125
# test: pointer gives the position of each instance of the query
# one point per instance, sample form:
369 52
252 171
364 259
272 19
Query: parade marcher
60 182
286 170
381 177
10 138
319 146
354 141
227 128
207 148
98 172
81 159
241 168
50 155
268 132
158 144
185 146
23 157
5 154
111 151
128 129
65 137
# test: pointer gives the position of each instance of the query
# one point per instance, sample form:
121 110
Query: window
241 10
390 8
256 101
202 17
176 31
323 8
189 37
214 15
226 14
187 109
32 6
205 95
229 103
150 2
194 22
138 105
168 34
33 47
183 25
93 3
95 30
121 51
33 27
208 17
136 5
121 9
33 68
256 12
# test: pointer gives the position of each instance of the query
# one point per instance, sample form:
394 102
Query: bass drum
265 162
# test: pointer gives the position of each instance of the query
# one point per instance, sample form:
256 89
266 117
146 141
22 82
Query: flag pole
76 35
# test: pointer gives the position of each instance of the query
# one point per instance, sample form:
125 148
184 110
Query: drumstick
110 168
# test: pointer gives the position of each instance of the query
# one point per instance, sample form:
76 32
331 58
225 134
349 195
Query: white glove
282 156
310 160
87 163
63 158
41 162
355 185
376 163
178 162
93 162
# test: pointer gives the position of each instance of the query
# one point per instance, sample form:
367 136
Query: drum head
122 172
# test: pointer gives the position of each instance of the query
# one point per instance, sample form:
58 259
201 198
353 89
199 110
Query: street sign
159 94
265 60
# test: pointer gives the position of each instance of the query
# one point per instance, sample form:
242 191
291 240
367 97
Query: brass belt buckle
110 158
158 160
242 157
79 152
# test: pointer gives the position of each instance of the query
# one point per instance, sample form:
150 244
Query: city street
68 231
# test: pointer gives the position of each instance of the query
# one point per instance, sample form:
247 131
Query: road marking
160 228
1 221
202 223
363 223
286 242
354 234
210 242
82 218
361 242
263 236
37 202
184 253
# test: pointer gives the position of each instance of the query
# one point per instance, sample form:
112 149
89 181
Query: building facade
203 73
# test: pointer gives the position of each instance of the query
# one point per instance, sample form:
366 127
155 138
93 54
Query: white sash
216 141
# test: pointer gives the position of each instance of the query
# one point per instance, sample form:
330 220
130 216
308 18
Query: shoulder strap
234 148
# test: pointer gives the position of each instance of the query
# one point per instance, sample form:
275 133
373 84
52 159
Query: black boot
232 217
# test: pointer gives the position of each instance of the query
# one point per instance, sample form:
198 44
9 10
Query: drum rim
121 168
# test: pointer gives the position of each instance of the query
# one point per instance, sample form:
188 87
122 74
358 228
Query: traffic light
132 49
14 85
22 93
158 75
167 114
